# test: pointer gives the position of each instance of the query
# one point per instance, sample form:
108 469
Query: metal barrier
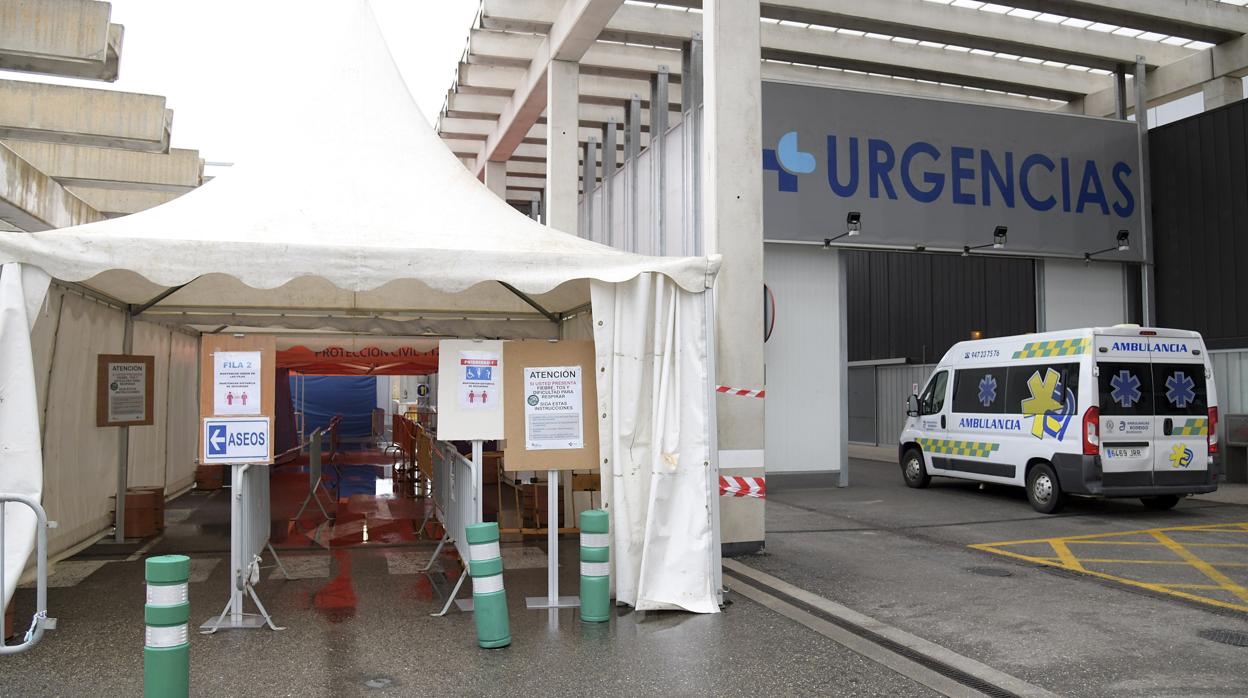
249 536
456 504
40 621
315 477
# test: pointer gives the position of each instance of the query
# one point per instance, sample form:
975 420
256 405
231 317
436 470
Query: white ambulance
1122 411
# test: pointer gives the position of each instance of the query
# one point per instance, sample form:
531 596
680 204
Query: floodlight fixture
1122 243
853 226
998 241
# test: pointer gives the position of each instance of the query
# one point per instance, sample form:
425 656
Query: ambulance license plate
1124 452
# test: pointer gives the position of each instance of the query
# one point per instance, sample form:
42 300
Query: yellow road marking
1156 544
1205 568
1067 559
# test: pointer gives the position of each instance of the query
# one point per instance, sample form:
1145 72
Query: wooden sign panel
550 406
228 383
123 390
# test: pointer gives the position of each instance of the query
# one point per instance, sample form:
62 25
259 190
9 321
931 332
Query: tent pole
712 440
123 447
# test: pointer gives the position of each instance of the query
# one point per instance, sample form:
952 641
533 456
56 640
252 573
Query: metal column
658 151
1148 294
608 170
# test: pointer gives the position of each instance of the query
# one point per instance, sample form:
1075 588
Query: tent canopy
351 214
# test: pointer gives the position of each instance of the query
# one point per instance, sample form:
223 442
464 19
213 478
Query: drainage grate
1234 638
989 689
990 571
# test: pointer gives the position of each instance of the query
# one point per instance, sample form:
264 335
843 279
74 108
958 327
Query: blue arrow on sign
216 439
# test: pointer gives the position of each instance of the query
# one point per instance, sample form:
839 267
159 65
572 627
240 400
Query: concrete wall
803 395
1082 295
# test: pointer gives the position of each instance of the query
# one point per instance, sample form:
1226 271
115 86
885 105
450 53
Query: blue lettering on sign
928 174
1159 347
1008 424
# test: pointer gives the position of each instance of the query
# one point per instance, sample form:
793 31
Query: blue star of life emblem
1126 389
1180 390
987 390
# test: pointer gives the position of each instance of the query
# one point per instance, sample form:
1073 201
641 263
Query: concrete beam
177 171
570 36
948 24
1178 79
807 75
496 48
122 202
483 108
478 129
802 45
32 201
493 81
78 115
1206 20
70 38
1220 92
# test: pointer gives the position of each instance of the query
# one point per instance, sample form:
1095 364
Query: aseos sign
943 175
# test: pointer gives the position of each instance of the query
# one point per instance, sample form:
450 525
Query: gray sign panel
944 175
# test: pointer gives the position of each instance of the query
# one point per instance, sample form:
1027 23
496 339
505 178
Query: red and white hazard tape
740 392
730 486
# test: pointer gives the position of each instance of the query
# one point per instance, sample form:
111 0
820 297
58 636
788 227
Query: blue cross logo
987 390
1126 389
788 162
216 439
1180 390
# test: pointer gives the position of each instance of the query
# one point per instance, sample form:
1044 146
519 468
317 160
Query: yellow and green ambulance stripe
974 449
1053 347
1192 427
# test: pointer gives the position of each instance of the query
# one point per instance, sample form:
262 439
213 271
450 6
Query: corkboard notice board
527 365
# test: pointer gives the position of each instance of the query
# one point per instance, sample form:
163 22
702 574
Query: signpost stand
478 486
552 598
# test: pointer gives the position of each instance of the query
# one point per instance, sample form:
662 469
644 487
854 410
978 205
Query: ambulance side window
979 390
933 399
1028 388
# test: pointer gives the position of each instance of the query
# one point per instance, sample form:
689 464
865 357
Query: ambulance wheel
1043 490
1161 503
913 471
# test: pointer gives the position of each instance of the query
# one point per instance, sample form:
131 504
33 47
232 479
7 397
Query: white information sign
236 440
479 375
127 391
463 413
236 382
552 408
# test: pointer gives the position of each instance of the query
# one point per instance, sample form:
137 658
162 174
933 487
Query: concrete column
1222 91
496 178
732 198
561 145
562 161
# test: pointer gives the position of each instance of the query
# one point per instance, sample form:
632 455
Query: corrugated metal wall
1199 172
1230 374
894 385
916 306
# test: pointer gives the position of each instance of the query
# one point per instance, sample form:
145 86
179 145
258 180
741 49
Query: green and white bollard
489 600
167 650
595 566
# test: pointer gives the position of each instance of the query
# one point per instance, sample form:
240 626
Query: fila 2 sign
944 174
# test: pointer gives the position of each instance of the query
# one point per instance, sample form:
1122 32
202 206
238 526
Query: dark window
933 399
979 390
1025 391
1179 389
1126 389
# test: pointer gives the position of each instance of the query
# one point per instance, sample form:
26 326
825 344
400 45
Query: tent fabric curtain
21 455
651 344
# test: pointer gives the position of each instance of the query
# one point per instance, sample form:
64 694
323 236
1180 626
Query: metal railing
40 621
455 504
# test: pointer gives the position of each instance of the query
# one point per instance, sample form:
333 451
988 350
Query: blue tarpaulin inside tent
322 397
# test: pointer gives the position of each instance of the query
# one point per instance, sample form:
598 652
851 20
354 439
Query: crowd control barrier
40 621
316 481
249 536
456 505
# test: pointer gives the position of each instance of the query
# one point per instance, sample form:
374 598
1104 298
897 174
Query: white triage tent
354 218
